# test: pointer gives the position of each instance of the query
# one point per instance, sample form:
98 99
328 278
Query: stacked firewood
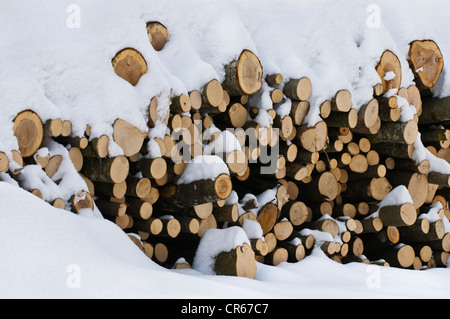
323 190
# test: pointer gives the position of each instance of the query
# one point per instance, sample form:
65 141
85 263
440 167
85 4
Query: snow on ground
50 253
59 69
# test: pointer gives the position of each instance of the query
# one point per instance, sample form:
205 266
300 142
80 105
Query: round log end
390 71
249 73
223 186
130 65
29 131
328 186
119 169
426 62
157 35
408 214
405 256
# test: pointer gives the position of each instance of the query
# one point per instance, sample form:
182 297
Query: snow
252 228
389 76
64 70
422 153
48 248
225 143
203 167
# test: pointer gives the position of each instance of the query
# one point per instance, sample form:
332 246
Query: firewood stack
323 191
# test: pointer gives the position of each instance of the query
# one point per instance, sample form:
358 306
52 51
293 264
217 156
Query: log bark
116 190
138 187
110 170
298 89
435 111
238 262
388 63
343 119
342 101
367 190
296 212
197 192
312 139
152 168
128 137
368 114
416 183
398 215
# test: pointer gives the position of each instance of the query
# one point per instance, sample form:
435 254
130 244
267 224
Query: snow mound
215 241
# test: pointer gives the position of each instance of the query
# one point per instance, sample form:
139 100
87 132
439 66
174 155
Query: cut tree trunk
298 89
402 133
426 62
110 170
128 137
267 217
416 183
323 188
367 190
342 101
313 139
157 35
238 262
29 131
390 71
130 65
197 192
244 76
398 215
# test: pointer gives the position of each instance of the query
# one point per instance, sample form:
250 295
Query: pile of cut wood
322 187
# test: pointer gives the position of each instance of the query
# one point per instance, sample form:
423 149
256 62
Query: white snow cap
226 142
203 167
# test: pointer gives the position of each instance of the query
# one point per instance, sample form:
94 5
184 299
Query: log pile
321 190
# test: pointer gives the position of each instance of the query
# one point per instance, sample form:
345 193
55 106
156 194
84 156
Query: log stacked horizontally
323 190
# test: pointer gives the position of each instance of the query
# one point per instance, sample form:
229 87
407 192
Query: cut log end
223 186
157 35
29 131
244 76
128 137
426 61
390 71
130 65
238 262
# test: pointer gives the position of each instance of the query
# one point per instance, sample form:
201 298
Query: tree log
390 71
29 131
312 139
243 76
130 65
298 89
157 35
426 62
367 190
196 193
402 133
398 215
128 137
238 262
435 111
110 170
